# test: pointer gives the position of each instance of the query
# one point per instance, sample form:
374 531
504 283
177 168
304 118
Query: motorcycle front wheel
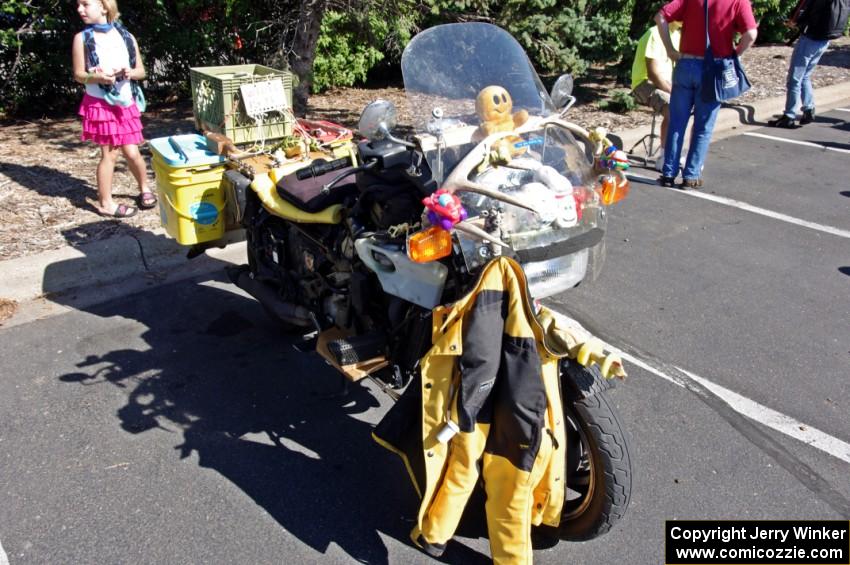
598 469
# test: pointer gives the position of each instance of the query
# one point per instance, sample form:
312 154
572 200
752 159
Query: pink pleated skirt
106 124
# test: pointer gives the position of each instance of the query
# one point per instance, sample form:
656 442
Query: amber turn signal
429 245
612 188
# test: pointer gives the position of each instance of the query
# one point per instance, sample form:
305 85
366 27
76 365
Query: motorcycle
345 249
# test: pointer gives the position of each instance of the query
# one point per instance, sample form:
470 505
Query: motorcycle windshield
446 70
472 93
447 66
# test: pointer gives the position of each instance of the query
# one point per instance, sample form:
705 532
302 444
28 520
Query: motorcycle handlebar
321 167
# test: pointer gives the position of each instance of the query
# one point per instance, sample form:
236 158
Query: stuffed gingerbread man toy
495 110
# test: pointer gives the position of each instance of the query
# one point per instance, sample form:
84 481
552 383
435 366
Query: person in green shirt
652 76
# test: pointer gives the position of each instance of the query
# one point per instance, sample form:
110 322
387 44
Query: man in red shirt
725 19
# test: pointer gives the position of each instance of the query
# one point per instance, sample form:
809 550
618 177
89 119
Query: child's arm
138 72
80 73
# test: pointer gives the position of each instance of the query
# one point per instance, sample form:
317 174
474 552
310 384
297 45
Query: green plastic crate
217 105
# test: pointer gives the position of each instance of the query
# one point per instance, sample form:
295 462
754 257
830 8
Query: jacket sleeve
479 362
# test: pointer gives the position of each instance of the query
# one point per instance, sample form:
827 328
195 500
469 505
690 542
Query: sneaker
782 122
667 181
691 184
435 550
659 160
808 116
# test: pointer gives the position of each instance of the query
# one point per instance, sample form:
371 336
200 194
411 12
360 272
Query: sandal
121 211
147 200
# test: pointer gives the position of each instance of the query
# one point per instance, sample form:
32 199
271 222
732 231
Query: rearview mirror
562 91
377 120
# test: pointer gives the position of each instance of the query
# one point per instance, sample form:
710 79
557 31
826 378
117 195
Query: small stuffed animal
565 206
444 209
495 110
613 158
600 142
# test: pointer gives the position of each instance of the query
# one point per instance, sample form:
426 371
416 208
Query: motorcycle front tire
599 470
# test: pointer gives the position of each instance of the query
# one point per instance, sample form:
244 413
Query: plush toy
600 142
444 209
613 158
495 110
565 208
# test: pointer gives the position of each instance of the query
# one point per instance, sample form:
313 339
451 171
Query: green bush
770 15
350 45
620 101
558 35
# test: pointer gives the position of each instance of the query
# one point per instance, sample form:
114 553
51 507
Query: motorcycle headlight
549 277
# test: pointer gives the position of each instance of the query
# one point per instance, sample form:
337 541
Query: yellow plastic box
189 182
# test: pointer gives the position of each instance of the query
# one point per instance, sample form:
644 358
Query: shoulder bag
723 78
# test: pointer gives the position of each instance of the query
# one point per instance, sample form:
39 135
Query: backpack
825 19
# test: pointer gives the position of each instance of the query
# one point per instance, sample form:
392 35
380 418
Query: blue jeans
805 58
686 96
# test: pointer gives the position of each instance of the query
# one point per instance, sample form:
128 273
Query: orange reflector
612 188
429 245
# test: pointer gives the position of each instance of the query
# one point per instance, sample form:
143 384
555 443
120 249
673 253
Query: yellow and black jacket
491 372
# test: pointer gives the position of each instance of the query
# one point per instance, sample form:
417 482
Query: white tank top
112 54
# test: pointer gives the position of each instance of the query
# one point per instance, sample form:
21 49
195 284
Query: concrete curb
735 118
103 263
153 254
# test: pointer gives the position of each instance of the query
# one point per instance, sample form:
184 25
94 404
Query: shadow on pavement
643 180
837 122
746 113
269 419
835 145
844 270
139 256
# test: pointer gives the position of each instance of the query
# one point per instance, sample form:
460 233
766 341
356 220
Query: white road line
756 210
740 404
3 559
779 422
796 142
755 411
842 109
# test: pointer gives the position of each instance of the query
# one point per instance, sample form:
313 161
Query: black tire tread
588 381
609 439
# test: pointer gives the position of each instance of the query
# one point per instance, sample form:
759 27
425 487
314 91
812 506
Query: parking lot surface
178 426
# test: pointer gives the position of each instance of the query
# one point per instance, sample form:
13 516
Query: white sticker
262 97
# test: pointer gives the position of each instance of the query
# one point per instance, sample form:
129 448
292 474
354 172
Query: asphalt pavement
175 424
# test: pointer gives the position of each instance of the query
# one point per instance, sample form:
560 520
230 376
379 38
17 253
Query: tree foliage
326 43
350 44
559 35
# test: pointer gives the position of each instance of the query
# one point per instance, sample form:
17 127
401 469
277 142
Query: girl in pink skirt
106 60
